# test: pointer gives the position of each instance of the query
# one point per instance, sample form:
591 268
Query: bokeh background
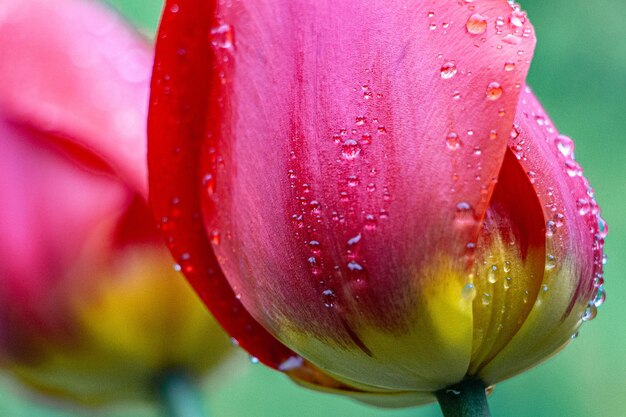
579 73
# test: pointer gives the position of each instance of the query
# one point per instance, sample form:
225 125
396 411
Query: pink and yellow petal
128 331
573 264
431 352
509 263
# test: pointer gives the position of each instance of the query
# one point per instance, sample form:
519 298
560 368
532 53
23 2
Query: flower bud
377 188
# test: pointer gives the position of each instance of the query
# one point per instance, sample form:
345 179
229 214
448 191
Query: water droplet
432 26
509 66
253 360
559 220
493 134
517 18
453 141
494 91
350 149
476 24
174 8
448 70
353 181
222 36
360 120
468 292
370 222
574 336
590 312
293 362
492 274
314 245
328 297
600 296
572 168
507 283
354 240
583 206
371 187
512 39
565 145
551 228
354 266
486 299
603 227
315 207
464 212
550 262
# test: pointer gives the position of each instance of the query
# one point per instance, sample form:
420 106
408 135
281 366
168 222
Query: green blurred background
579 73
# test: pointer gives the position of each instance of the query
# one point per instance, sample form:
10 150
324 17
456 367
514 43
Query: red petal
180 91
94 86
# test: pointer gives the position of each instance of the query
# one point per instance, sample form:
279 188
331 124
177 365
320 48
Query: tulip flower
366 194
90 306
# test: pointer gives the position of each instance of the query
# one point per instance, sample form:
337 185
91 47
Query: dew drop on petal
591 312
448 70
486 299
453 141
600 296
476 24
512 39
328 297
494 91
222 36
464 213
468 292
350 149
603 227
583 206
565 145
492 274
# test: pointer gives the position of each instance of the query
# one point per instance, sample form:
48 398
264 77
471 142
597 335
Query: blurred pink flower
90 306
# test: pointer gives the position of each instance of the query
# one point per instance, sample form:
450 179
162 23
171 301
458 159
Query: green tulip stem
181 396
466 399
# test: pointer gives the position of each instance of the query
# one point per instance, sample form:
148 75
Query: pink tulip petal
574 241
73 67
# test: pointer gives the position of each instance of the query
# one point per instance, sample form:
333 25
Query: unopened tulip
90 306
366 194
